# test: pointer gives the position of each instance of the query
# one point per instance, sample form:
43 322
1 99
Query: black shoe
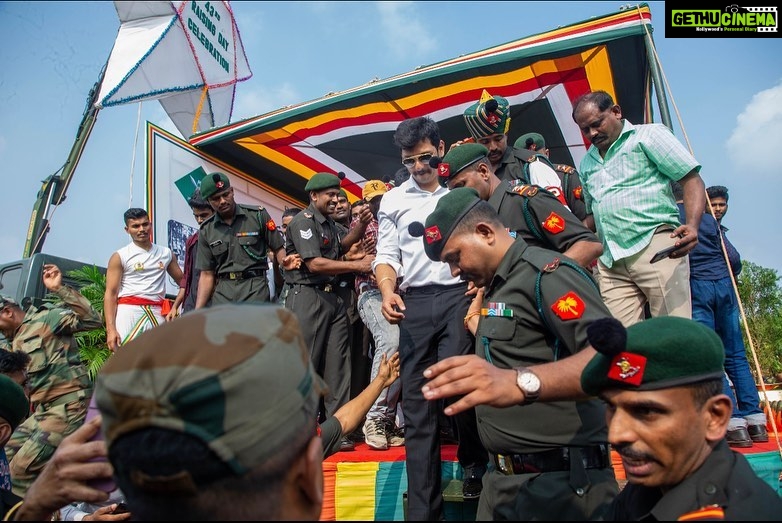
346 445
739 438
472 481
758 433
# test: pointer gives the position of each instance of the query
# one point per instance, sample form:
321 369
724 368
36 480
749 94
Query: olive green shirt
569 302
238 247
311 235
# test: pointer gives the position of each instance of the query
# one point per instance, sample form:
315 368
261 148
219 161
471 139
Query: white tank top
144 272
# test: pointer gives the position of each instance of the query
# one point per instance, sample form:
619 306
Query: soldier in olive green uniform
568 175
549 454
59 383
232 247
314 236
530 212
667 420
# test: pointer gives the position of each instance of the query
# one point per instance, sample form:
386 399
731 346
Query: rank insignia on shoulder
567 169
712 513
307 215
554 224
525 190
551 267
569 307
306 234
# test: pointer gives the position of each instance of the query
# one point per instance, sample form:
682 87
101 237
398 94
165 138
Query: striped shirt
628 192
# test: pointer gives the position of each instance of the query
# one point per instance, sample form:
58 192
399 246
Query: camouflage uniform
59 381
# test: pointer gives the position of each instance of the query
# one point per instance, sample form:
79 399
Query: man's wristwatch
529 383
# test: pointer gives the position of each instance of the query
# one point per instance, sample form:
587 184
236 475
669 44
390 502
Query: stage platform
369 485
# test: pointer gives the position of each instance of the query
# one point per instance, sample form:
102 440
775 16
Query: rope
769 413
133 155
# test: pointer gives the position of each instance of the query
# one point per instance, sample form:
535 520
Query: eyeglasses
423 158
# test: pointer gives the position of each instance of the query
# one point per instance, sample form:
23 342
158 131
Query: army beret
489 115
321 181
458 159
14 407
657 353
213 183
440 224
237 377
525 141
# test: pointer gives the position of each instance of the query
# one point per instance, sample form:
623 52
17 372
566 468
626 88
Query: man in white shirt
429 308
136 282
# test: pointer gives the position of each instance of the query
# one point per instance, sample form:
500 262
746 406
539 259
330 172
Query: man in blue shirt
715 304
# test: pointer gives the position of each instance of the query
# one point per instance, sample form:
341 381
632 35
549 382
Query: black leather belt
555 460
325 287
243 275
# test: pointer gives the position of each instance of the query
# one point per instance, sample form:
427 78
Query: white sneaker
394 435
375 434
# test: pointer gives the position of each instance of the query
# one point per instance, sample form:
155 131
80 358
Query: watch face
529 381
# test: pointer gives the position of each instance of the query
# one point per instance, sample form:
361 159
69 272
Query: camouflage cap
213 183
526 141
458 159
441 223
657 353
14 407
238 377
322 181
7 300
489 115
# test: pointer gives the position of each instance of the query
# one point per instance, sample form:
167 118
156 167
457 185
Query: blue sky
727 93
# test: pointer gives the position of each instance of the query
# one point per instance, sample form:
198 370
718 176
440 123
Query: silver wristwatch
529 383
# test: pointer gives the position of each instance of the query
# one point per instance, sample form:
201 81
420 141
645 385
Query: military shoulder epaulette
567 169
524 190
542 259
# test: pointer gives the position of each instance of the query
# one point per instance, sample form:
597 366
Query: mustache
628 452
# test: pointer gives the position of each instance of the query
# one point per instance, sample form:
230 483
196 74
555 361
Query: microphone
434 161
416 229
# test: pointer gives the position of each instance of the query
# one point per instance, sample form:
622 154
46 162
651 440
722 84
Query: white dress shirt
399 208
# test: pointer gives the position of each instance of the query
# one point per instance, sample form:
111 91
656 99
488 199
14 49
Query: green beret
458 159
489 115
14 407
238 377
321 181
213 183
657 353
449 211
343 193
525 141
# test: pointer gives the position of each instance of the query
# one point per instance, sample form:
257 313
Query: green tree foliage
761 297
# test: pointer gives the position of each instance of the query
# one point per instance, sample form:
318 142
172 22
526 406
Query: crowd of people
539 315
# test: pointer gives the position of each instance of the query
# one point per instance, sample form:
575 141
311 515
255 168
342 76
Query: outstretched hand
52 277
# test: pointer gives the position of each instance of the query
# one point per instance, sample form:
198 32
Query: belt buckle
233 275
504 464
327 287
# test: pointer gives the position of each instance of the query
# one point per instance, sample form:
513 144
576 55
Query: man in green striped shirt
626 177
